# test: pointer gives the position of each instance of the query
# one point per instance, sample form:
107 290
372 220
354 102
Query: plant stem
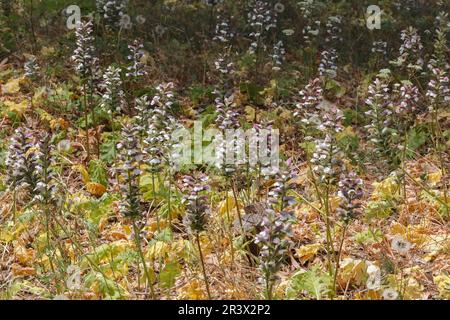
137 239
338 259
203 266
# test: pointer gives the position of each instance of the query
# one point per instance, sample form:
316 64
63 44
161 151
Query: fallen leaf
96 189
11 87
19 271
307 252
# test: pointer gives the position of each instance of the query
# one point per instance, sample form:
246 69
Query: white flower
390 294
400 245
374 280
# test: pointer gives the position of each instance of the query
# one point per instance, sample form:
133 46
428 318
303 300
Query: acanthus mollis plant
31 68
136 68
20 163
113 95
128 167
158 144
328 63
311 13
86 65
329 56
278 56
46 192
380 116
406 105
197 210
439 59
228 122
308 106
410 58
112 11
350 194
275 229
158 131
223 33
225 69
144 110
438 95
261 18
326 165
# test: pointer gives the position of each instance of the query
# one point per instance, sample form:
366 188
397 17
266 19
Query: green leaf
169 274
315 283
97 172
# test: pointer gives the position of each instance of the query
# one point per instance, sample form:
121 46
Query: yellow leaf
250 113
18 108
12 86
226 206
25 256
435 177
119 232
442 281
84 173
58 123
386 189
307 252
352 271
157 250
192 290
96 189
19 271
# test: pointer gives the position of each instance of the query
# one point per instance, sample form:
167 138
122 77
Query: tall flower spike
223 33
409 96
144 111
160 124
327 160
137 68
128 167
261 18
311 12
379 114
333 29
84 54
196 201
309 104
438 91
20 160
276 230
350 192
439 59
411 50
46 190
278 55
31 68
113 96
328 66
225 143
